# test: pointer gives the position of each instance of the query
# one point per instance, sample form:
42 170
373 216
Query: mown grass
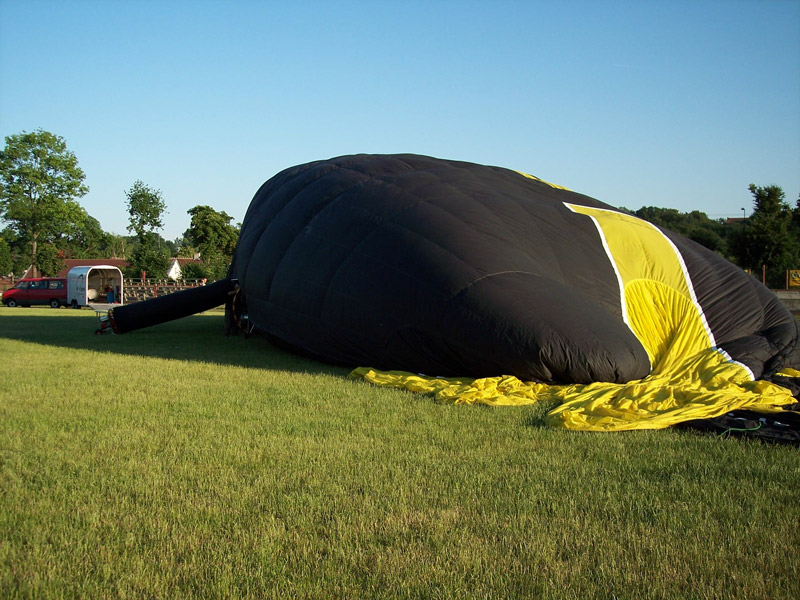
174 462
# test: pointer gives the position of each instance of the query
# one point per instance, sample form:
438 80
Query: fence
137 290
792 278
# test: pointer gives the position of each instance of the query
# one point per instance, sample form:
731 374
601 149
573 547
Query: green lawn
174 462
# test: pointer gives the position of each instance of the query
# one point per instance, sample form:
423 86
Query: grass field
176 463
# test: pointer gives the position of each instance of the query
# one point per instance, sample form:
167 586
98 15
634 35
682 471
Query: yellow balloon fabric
690 377
707 387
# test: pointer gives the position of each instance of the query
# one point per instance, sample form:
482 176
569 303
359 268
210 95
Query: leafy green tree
40 181
17 250
81 236
146 208
695 225
170 245
50 260
117 246
150 258
184 246
769 238
195 270
214 237
6 264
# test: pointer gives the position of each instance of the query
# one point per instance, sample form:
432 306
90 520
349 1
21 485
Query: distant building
120 263
175 271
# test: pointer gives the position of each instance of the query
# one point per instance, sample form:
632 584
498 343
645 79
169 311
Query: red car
37 290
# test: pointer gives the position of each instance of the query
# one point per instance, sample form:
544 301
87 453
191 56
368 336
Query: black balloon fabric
457 269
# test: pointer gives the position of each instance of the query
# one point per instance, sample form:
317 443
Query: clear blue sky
671 104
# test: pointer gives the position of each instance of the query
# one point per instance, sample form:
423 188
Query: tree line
43 222
41 182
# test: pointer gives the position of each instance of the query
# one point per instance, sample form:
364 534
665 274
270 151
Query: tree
20 260
81 236
768 238
40 181
50 260
184 248
151 259
195 270
695 225
214 237
145 210
116 246
6 264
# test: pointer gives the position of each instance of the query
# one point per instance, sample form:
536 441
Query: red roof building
120 263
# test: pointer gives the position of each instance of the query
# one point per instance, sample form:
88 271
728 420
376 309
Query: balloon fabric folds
504 289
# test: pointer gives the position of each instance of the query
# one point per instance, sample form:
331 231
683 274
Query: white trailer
94 286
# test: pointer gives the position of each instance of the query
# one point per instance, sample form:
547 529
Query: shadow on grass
197 338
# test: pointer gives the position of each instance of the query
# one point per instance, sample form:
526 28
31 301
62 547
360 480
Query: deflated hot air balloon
504 289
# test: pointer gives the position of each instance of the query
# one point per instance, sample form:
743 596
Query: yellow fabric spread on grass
689 379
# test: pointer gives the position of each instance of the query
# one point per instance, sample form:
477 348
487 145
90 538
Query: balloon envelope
457 269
